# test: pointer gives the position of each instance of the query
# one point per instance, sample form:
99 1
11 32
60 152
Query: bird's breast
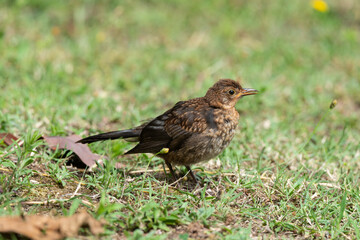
221 136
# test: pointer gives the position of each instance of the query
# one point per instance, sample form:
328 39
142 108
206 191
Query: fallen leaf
82 151
46 227
8 138
82 157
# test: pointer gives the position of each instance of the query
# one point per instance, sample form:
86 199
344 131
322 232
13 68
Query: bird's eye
231 92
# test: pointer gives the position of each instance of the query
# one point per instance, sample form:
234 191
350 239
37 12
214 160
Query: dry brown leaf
8 138
82 151
46 227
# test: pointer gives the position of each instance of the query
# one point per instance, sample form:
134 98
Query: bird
191 131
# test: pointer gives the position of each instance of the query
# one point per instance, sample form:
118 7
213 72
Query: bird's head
226 92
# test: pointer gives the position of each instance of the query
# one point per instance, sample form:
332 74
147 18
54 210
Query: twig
76 190
329 185
50 201
148 171
179 179
5 170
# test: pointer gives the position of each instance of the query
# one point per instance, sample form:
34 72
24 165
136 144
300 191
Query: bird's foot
193 176
173 174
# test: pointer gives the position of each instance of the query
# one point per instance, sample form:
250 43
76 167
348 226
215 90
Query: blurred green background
77 61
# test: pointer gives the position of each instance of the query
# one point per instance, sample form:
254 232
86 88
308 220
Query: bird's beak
248 91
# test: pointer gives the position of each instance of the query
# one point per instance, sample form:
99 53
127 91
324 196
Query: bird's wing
171 129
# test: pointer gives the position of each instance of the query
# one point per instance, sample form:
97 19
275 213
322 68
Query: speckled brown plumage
194 130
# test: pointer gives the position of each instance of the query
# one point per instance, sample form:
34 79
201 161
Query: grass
292 170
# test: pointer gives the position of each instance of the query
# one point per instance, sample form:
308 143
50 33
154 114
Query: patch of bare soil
194 230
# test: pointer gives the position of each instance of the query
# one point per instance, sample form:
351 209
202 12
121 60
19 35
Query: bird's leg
171 170
192 174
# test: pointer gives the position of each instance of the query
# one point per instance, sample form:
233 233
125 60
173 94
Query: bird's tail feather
129 133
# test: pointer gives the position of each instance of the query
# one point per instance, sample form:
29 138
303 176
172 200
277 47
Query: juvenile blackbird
194 130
